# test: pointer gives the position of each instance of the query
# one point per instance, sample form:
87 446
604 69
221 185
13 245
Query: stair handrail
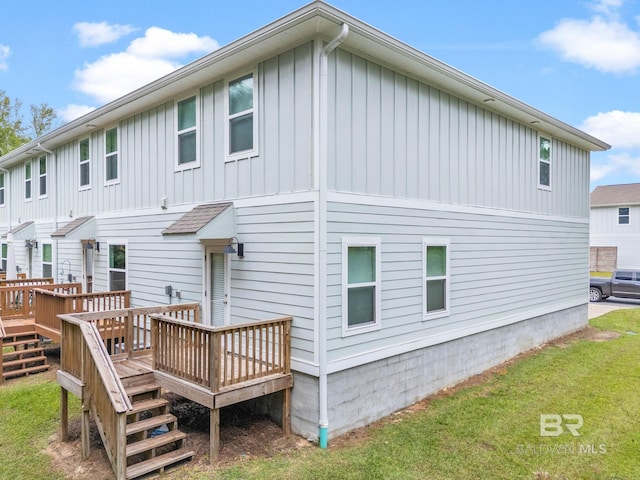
111 424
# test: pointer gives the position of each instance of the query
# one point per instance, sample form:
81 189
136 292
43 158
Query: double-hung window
117 266
241 128
1 188
85 163
623 216
27 180
47 261
361 285
435 284
111 157
544 162
5 248
187 144
42 164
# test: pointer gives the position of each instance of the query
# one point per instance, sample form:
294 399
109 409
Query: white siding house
408 216
615 222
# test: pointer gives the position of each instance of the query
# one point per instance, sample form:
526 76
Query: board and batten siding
606 232
503 267
283 163
395 136
276 276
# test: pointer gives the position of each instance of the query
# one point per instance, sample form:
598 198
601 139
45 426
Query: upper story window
85 163
42 163
623 216
435 285
361 285
544 161
187 144
27 180
111 157
240 116
1 189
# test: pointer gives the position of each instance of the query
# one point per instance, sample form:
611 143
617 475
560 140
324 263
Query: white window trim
81 162
540 160
361 242
40 175
115 241
227 144
627 215
116 180
43 263
435 242
3 189
30 197
190 165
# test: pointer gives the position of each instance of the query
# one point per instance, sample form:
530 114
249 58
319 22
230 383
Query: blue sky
578 60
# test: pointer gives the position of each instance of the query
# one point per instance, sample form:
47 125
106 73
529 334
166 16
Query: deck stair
153 439
22 354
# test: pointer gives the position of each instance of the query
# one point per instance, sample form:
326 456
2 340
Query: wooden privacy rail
52 302
17 301
109 400
25 281
220 357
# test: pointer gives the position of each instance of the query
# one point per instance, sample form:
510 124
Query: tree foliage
13 130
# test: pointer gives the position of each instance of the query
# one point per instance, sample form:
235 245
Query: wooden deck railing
24 281
83 354
220 357
51 302
17 301
3 275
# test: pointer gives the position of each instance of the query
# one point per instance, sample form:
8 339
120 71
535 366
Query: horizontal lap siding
500 266
276 276
394 136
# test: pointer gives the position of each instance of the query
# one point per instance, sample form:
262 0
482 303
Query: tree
13 132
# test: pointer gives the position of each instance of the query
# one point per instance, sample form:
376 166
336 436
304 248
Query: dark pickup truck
623 283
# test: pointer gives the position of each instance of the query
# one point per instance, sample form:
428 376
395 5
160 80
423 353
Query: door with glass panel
217 288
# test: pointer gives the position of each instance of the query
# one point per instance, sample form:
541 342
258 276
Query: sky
577 60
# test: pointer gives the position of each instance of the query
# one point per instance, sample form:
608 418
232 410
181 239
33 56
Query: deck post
84 426
214 434
64 414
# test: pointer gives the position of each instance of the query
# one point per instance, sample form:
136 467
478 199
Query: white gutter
322 173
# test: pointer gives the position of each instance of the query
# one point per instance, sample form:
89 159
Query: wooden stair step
154 442
142 389
25 371
25 351
149 423
22 361
149 404
159 462
17 343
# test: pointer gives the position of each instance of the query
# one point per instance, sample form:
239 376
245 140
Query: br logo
554 425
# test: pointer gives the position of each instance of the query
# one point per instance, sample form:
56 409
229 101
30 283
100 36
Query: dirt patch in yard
243 435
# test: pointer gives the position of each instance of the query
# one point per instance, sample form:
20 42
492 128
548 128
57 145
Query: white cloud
4 55
624 165
603 44
146 59
619 129
92 34
73 111
607 7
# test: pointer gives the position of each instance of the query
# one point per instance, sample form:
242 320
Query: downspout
323 390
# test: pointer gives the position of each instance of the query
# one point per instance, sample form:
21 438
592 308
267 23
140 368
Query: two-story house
419 225
615 227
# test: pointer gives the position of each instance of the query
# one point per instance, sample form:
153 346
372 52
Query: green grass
487 431
492 431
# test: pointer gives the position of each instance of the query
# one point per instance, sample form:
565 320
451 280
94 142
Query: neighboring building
419 225
615 222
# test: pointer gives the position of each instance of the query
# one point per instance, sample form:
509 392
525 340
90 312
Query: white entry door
217 288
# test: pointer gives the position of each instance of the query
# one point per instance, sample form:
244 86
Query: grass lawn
490 430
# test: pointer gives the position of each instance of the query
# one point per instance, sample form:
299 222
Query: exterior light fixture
30 243
90 245
228 249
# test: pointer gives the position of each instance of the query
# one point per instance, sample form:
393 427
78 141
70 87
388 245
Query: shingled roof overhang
624 195
207 221
81 228
315 20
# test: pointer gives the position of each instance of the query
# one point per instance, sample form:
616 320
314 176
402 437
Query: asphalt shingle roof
195 219
626 194
71 226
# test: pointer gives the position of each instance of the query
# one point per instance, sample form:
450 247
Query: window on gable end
623 216
111 157
42 164
544 162
84 152
1 188
27 180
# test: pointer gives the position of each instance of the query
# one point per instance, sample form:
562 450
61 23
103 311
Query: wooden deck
105 353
